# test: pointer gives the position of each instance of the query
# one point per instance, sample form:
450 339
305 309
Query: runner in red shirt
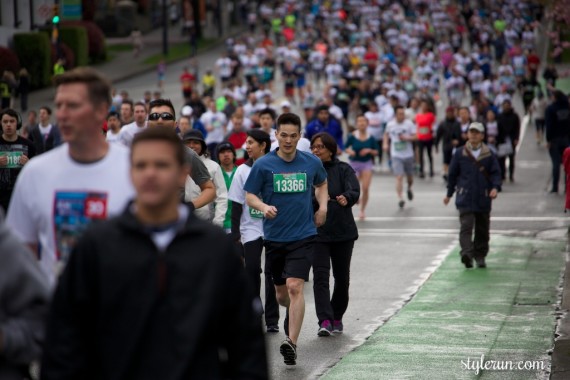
186 80
424 122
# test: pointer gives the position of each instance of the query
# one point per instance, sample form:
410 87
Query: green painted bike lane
503 313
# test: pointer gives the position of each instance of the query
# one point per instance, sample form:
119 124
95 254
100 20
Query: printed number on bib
13 160
290 183
255 214
400 146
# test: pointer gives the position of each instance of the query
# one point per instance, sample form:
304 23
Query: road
397 249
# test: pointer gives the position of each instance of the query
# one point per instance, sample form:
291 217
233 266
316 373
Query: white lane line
525 123
455 218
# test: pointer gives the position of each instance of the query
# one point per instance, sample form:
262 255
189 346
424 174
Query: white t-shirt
304 145
218 121
113 137
128 132
251 220
55 198
375 121
224 66
45 130
398 148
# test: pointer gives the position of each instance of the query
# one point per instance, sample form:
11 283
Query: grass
119 48
179 51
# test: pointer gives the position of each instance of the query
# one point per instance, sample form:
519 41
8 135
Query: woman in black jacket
335 239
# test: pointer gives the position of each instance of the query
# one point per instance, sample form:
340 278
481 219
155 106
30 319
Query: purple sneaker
337 327
325 329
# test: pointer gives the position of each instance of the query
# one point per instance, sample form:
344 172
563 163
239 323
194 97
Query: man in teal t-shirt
283 179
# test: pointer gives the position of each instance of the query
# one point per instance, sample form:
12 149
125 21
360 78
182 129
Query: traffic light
55 14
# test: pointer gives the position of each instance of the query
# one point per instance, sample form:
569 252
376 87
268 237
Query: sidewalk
505 313
124 66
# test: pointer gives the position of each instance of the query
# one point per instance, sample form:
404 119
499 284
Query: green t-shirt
228 178
357 145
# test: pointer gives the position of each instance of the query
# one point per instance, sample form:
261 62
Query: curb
560 362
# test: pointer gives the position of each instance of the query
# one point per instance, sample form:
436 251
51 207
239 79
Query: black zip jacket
125 310
447 131
340 225
557 118
509 125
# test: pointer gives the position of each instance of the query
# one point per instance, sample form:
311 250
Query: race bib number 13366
290 183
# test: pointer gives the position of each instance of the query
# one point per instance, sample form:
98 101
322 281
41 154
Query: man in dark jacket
557 117
449 133
509 125
475 175
147 295
24 298
45 136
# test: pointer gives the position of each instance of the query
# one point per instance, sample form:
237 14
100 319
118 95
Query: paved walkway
504 313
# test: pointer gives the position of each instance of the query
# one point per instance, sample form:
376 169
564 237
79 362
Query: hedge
9 61
33 50
76 38
95 37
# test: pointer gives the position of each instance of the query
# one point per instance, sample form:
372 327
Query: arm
322 196
452 177
207 195
221 200
352 186
237 210
253 201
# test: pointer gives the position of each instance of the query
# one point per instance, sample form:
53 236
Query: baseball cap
285 103
477 126
186 111
225 146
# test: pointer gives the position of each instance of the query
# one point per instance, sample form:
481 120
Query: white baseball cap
285 103
186 111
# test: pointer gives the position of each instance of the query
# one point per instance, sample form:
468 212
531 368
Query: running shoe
401 204
325 329
337 327
468 261
410 195
272 329
289 352
481 262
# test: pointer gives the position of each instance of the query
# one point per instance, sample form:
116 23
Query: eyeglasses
317 146
165 116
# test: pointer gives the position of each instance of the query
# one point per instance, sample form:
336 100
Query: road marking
455 218
525 123
426 232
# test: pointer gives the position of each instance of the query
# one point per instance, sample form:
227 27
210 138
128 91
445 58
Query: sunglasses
165 116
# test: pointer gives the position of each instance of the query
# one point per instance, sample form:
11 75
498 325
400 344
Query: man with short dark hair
279 186
45 135
162 115
174 280
127 110
325 123
15 152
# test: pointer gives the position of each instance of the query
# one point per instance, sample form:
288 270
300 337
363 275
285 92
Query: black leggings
252 255
340 254
427 145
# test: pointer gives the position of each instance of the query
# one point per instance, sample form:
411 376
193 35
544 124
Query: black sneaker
410 195
468 261
286 324
289 352
481 262
273 329
401 204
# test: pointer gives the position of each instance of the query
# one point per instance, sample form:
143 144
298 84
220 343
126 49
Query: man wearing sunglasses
161 114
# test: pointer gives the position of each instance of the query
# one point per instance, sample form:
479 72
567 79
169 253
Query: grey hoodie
24 297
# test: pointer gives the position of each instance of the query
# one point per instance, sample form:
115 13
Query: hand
350 152
24 160
364 152
341 200
269 212
493 194
446 200
320 217
3 160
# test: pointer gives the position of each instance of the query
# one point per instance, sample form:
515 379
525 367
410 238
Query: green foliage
34 53
76 38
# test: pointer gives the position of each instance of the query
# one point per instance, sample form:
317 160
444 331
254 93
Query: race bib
73 211
13 160
400 146
255 214
423 131
290 183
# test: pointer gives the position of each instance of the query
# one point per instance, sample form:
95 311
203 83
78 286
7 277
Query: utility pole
164 28
55 27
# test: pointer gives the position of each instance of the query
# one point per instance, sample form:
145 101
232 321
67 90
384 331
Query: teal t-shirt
287 186
357 145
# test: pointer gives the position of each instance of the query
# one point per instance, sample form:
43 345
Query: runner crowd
368 78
